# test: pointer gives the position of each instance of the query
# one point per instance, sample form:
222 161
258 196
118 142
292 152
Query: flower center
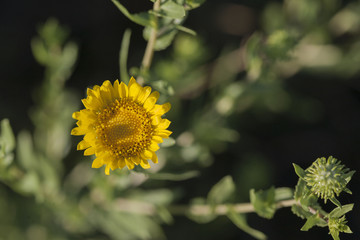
124 128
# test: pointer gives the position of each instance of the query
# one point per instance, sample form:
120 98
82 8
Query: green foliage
221 191
240 221
263 202
332 176
211 94
7 144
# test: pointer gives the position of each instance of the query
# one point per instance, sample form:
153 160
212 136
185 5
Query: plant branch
149 51
125 205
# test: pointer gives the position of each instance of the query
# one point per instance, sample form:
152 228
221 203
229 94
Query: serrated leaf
299 171
240 221
264 202
300 212
172 10
7 138
283 193
340 211
221 191
313 220
143 19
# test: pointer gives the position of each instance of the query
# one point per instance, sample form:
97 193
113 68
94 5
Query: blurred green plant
208 94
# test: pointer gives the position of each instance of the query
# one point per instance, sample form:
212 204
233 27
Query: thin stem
149 51
125 205
222 209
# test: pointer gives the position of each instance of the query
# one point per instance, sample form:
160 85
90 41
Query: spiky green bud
327 178
337 225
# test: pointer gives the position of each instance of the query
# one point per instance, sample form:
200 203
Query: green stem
149 51
125 205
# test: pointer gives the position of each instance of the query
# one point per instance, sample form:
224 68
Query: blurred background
262 85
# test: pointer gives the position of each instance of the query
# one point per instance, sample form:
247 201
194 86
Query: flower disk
122 125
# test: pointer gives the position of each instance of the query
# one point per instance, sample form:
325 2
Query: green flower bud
337 225
326 177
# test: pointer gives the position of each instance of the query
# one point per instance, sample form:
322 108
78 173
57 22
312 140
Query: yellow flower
122 125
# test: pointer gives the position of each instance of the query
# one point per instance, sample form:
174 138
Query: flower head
122 125
327 177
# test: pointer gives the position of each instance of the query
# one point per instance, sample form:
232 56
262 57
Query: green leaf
283 193
163 41
168 142
186 30
143 19
340 211
314 220
335 201
299 171
172 10
348 176
123 56
303 194
221 191
7 136
300 212
240 221
25 153
263 202
194 3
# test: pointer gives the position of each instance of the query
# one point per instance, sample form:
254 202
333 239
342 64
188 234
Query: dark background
97 26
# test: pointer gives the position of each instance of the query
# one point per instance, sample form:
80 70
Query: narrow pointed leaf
240 221
299 171
340 211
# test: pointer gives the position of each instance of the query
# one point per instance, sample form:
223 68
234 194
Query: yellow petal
97 163
116 89
123 90
129 163
89 151
150 102
161 109
136 160
107 169
145 164
90 137
78 131
122 163
144 94
154 158
146 154
163 133
157 139
134 89
155 120
153 147
83 145
164 124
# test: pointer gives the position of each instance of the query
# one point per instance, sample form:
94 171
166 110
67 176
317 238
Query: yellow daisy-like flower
122 125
